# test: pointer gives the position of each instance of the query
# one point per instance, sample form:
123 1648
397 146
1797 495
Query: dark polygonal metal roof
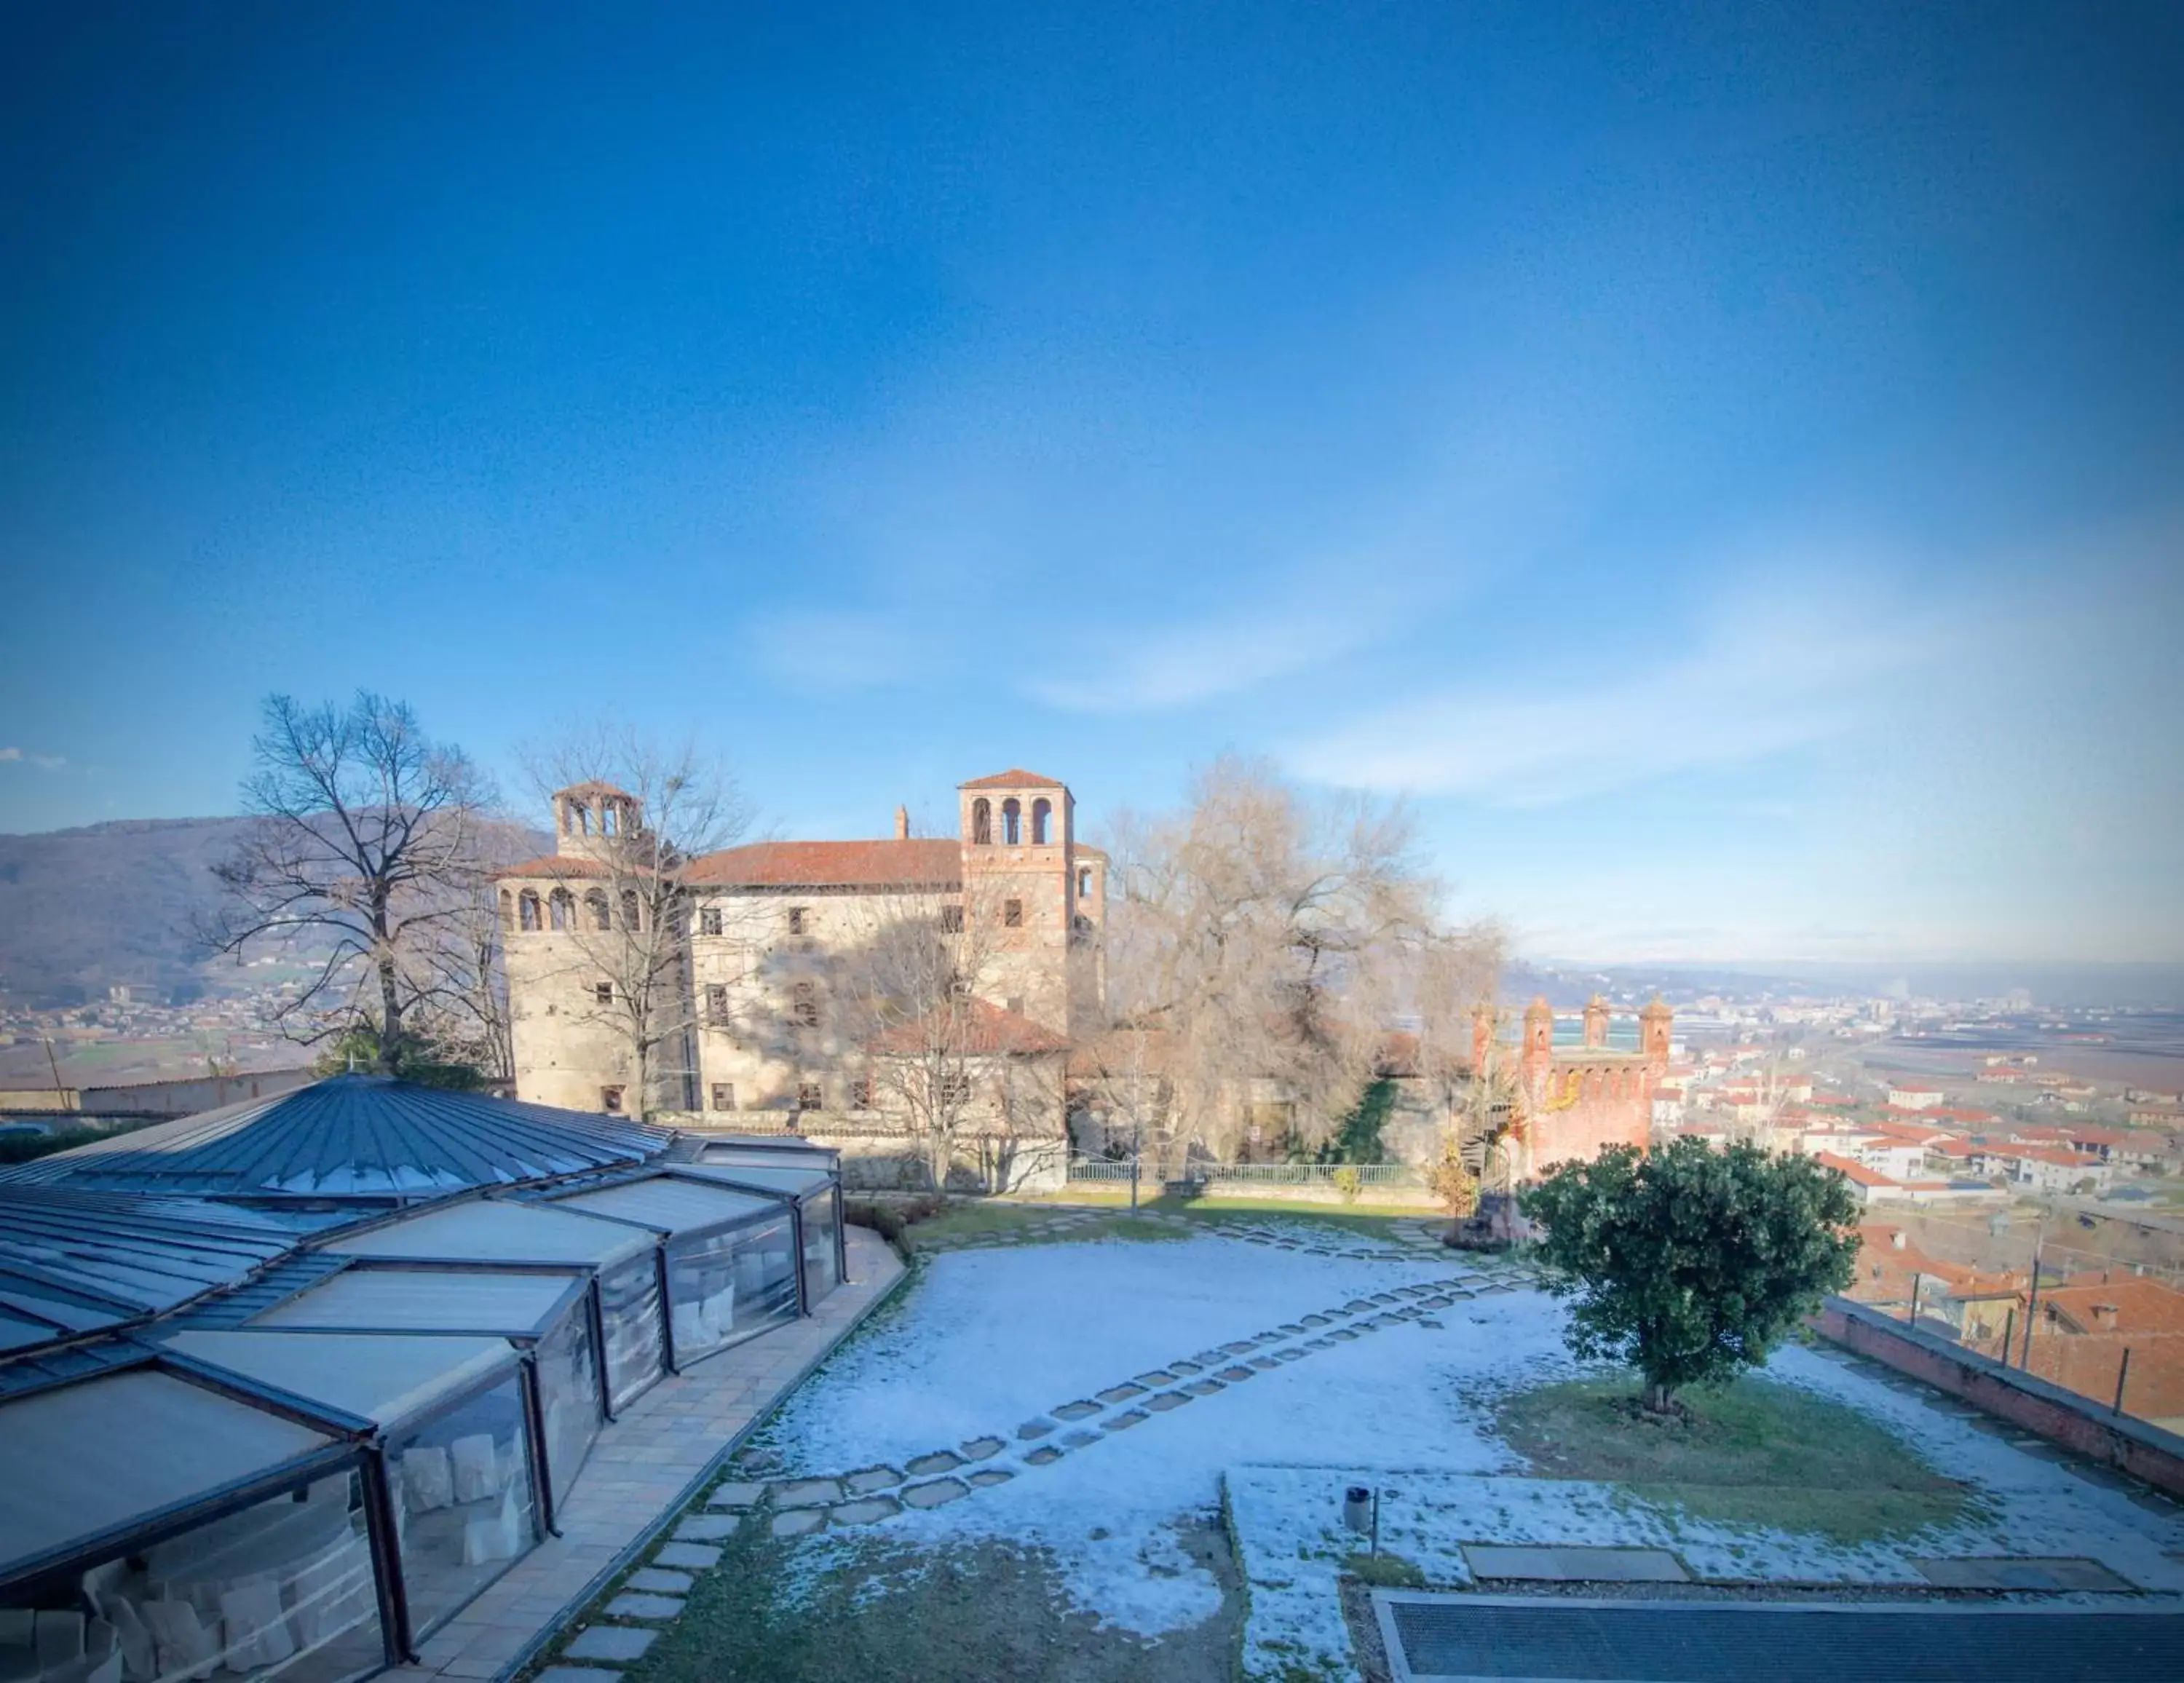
365 1138
72 1260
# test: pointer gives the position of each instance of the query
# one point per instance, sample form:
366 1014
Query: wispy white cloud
44 762
1770 674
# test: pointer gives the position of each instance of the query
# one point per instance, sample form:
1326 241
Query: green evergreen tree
1690 1264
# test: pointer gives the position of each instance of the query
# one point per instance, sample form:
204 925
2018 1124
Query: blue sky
1721 464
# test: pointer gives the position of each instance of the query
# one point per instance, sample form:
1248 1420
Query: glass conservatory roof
384 1379
493 1230
425 1299
82 1460
670 1204
366 1137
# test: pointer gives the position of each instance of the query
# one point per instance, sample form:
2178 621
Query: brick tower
1019 871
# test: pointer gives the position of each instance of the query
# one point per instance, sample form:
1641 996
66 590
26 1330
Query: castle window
610 1101
507 910
1016 1003
717 1005
1084 881
596 903
1042 813
631 910
951 920
1012 914
608 815
526 912
561 906
796 920
808 1097
804 1009
1011 822
602 992
860 1093
708 919
724 1096
953 1087
982 822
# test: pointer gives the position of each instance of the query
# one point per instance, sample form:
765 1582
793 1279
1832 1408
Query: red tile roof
915 862
1857 1173
2141 1306
1013 779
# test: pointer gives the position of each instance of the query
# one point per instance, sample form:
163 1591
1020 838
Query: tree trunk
1658 1396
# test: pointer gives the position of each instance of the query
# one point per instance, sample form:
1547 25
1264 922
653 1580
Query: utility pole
54 1064
1137 1141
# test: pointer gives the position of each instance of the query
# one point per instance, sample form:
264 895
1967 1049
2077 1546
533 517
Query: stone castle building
1574 1100
752 984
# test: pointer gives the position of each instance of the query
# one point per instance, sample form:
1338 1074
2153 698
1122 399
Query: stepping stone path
804 1506
620 1643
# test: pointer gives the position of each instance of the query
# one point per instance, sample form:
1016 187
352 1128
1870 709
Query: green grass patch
1027 1225
1385 1571
1755 1452
772 1613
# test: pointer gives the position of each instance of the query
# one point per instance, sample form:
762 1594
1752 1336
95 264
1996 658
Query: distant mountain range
115 903
82 910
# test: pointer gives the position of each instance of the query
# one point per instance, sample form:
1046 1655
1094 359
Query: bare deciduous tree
1271 940
368 848
628 918
930 1046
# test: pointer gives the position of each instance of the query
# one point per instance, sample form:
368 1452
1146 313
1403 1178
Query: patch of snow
993 1339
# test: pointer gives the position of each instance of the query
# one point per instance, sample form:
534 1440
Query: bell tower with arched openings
1021 875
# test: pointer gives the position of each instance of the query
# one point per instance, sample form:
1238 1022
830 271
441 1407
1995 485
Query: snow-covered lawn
1395 1394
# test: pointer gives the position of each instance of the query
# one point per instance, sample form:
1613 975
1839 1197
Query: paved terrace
644 1467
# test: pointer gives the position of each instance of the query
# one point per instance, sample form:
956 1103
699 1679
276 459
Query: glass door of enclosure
463 1501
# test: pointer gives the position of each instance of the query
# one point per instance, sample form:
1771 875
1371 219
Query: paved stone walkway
644 1468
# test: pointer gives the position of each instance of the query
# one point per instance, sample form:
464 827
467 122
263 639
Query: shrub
1691 1263
1349 1183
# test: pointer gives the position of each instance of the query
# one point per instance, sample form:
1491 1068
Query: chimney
2104 1317
902 824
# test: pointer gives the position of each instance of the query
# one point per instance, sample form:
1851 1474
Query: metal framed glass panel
725 1287
462 1489
630 1313
822 1252
550 1310
283 1586
731 1255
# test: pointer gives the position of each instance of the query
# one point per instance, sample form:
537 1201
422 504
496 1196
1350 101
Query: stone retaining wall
2077 1422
